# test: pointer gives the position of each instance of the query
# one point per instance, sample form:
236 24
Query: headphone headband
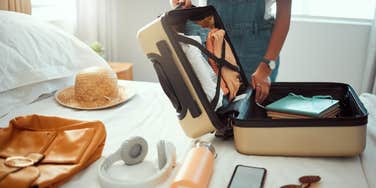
133 151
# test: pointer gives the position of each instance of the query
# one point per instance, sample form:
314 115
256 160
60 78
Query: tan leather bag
41 151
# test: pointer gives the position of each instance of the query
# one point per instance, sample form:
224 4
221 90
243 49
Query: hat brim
65 97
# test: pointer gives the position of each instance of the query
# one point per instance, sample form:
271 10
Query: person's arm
280 29
260 79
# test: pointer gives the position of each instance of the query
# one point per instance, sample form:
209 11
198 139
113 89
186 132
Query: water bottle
197 167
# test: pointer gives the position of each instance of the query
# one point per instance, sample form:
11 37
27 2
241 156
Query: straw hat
94 88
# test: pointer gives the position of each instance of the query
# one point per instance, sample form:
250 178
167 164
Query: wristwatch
270 63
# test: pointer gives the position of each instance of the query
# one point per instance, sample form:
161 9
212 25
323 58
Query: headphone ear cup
162 153
134 150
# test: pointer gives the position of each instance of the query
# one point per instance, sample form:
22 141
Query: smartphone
247 177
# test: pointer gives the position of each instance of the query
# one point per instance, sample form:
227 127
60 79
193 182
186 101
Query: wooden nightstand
124 71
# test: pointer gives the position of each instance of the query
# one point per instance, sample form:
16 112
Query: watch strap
267 61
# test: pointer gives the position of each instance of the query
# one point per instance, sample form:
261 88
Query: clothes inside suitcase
254 132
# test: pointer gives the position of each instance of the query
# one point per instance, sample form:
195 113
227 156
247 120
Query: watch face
272 65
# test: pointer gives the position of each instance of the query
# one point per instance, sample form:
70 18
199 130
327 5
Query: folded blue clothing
316 106
193 29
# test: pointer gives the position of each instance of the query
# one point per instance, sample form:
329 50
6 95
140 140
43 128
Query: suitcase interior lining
339 92
353 113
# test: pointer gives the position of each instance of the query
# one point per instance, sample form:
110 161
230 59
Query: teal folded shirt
297 104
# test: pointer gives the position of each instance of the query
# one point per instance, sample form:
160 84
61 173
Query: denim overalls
247 29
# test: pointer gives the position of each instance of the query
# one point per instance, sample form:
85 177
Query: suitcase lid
175 18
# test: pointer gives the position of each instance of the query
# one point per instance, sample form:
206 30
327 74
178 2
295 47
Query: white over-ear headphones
133 151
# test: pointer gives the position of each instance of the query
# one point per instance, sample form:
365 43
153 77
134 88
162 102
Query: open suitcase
253 131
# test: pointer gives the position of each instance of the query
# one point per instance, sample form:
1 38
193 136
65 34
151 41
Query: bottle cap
208 145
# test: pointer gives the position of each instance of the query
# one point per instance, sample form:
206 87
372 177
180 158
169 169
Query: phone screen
247 177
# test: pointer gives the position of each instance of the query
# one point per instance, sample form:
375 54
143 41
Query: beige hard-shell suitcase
253 132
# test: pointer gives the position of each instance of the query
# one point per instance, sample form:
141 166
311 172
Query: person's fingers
173 3
256 88
177 2
253 82
182 2
258 93
264 93
187 3
267 91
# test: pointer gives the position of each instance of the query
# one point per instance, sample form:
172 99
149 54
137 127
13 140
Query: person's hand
186 3
261 82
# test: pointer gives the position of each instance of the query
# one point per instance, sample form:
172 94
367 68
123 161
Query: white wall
132 15
319 50
324 50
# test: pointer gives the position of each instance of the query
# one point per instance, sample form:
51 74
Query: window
357 9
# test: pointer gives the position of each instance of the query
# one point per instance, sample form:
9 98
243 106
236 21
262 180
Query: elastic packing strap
311 98
214 102
220 62
303 98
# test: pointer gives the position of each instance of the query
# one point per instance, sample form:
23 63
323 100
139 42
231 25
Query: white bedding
37 58
368 158
150 114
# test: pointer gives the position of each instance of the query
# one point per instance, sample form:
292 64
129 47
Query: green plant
98 48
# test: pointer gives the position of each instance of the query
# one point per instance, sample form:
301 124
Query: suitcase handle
172 82
166 85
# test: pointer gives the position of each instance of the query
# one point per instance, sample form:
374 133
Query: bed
151 115
150 112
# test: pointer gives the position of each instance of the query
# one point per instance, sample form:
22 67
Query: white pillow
203 70
33 51
18 97
37 58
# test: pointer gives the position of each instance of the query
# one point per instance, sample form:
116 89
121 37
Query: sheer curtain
23 6
369 79
60 13
96 22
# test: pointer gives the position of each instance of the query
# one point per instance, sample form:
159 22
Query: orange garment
214 44
207 22
229 82
58 147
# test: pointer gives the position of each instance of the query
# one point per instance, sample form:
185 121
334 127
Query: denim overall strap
248 31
